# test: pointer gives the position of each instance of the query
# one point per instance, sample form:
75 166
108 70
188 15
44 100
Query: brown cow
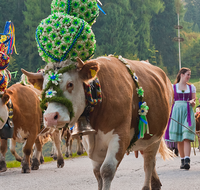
27 121
116 118
53 135
69 140
44 136
197 118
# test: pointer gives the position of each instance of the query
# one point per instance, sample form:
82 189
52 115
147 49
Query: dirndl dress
183 113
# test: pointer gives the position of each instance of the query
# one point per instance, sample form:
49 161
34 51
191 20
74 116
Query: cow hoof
41 159
25 168
54 157
145 188
79 153
67 155
60 163
3 167
19 159
35 165
155 183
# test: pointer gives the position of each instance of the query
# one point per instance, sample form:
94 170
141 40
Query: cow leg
115 153
57 140
152 181
79 147
36 154
27 149
67 149
3 151
54 153
13 151
70 147
96 170
67 137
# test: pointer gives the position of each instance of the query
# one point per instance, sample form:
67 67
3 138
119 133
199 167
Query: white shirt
188 88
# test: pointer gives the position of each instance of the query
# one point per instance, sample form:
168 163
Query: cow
45 136
27 116
69 139
197 118
115 119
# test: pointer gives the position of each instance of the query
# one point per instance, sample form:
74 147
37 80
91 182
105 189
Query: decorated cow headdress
7 45
66 34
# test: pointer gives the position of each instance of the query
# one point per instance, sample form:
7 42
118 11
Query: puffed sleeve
193 88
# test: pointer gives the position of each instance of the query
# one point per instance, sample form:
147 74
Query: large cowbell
82 127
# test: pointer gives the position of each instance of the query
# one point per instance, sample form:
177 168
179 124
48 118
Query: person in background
182 112
197 110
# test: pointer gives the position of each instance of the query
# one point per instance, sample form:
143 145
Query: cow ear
36 79
89 70
37 83
5 98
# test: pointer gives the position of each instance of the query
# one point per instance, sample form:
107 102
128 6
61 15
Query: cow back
120 99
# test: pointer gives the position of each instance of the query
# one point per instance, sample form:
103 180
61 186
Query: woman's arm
193 100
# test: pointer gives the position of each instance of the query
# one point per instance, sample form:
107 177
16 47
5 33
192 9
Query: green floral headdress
61 36
84 9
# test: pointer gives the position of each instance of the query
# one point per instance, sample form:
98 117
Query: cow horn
80 63
32 75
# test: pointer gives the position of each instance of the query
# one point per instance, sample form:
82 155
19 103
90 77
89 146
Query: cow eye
70 87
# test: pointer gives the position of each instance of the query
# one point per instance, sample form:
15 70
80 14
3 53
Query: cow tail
165 152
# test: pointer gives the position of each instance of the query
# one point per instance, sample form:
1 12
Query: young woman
182 112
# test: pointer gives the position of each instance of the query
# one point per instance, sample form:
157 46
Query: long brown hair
181 71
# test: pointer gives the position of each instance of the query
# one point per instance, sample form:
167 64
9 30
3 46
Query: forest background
135 29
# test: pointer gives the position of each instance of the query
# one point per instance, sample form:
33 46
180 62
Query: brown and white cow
27 116
116 118
45 135
197 118
69 139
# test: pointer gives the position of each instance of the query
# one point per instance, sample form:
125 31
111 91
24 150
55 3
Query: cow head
63 95
4 98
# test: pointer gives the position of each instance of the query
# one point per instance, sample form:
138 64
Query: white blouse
188 88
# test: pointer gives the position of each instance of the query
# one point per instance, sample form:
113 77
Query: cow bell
82 127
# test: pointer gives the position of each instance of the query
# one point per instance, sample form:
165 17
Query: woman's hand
192 102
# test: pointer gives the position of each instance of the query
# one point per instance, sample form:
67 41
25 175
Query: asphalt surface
77 174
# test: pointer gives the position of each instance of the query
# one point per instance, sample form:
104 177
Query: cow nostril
56 117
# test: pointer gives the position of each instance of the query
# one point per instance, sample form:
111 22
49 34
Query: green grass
16 164
13 164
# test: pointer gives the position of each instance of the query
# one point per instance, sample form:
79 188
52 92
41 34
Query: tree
115 32
35 12
162 34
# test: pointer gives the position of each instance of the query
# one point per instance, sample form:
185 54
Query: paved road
77 174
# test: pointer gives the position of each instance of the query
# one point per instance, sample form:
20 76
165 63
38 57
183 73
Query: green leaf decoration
84 9
62 36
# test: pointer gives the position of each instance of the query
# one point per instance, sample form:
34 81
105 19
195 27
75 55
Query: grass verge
16 164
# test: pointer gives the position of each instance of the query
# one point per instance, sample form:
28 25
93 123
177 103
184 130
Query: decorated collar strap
52 92
143 108
96 88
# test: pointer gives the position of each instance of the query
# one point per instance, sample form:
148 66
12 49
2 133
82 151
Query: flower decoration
3 82
84 9
4 59
57 37
54 77
143 109
50 93
123 61
140 92
135 77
